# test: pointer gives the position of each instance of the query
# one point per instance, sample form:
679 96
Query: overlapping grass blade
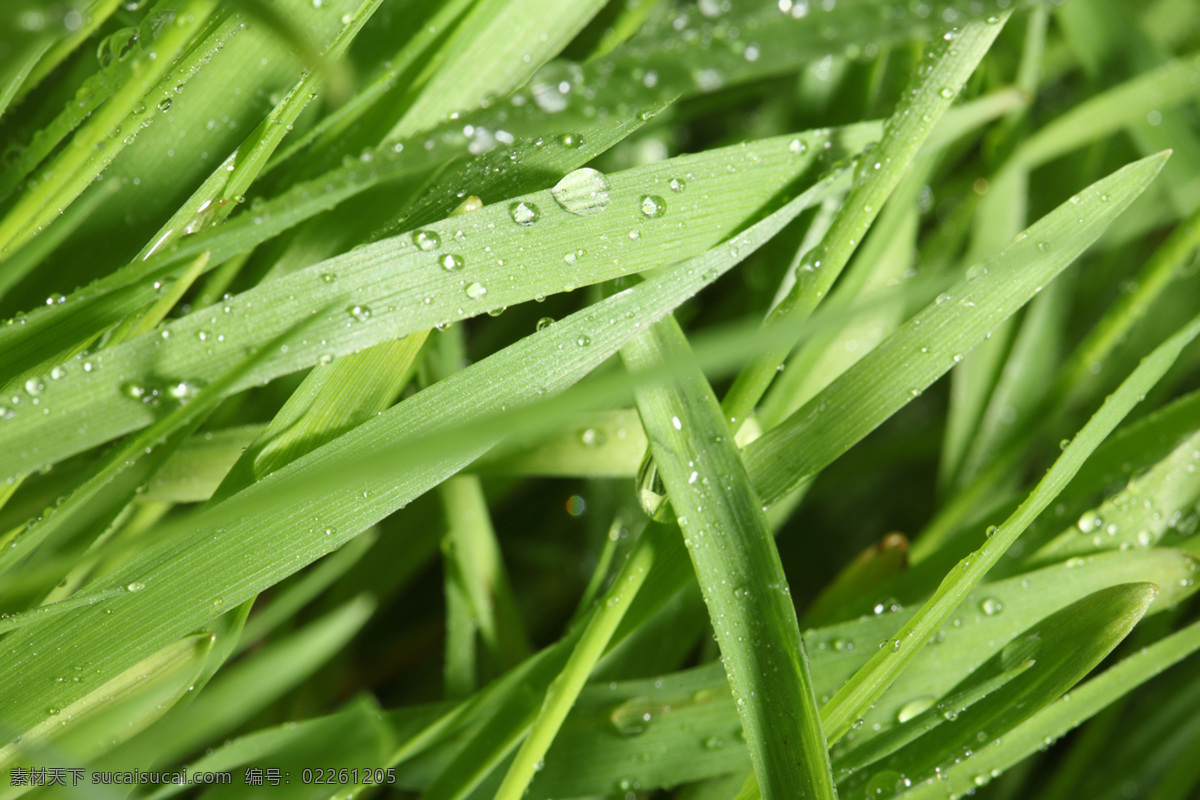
862 690
1060 717
327 497
950 62
934 340
454 269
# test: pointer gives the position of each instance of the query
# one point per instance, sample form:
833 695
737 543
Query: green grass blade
1058 718
402 285
308 498
950 61
737 566
854 698
105 135
865 395
1064 648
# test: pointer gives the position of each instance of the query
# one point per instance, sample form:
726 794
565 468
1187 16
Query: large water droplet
582 192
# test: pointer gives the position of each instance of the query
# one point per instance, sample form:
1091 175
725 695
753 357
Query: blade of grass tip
873 679
1057 719
947 65
738 568
106 133
216 198
1163 267
933 341
16 81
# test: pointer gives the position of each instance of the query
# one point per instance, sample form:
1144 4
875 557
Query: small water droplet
524 213
991 606
135 586
584 340
426 240
544 322
451 262
476 291
653 206
360 313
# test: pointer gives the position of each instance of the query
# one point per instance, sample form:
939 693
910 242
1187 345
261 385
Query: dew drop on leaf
582 192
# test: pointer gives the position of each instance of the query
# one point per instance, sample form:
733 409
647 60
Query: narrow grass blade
862 690
105 134
934 340
949 62
737 566
1062 716
1064 648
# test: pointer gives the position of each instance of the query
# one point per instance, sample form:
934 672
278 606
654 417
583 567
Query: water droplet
653 206
714 743
991 606
1089 522
676 185
582 192
524 213
426 240
476 291
116 46
545 322
360 313
947 93
135 586
451 262
584 340
797 147
992 530
914 707
1043 247
34 387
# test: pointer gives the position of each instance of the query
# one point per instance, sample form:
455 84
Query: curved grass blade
737 566
1060 717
